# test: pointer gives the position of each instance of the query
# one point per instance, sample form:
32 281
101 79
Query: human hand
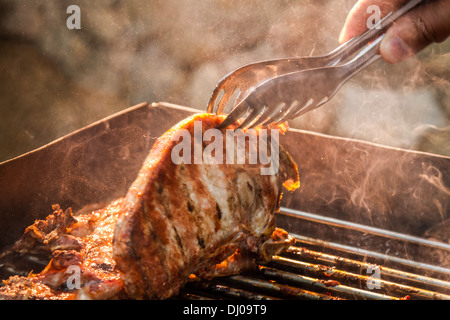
410 34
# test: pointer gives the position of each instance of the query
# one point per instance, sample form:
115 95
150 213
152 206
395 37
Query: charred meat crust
79 243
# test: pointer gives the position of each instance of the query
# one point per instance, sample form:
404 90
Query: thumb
416 30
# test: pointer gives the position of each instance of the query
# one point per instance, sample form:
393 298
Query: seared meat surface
178 221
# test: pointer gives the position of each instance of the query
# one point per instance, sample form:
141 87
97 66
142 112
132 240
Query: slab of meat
177 222
181 219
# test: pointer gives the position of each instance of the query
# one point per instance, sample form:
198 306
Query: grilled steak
180 220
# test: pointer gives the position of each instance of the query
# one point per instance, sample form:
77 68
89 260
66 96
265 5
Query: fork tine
292 109
226 98
296 110
215 97
222 102
267 116
235 115
250 118
279 114
307 107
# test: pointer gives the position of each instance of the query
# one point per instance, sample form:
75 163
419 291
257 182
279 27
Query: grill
370 222
316 269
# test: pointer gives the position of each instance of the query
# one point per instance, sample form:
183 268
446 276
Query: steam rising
433 176
127 52
379 186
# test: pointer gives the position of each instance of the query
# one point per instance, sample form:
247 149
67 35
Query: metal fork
306 90
278 90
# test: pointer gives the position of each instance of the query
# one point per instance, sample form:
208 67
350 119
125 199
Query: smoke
433 176
390 187
371 184
127 52
386 116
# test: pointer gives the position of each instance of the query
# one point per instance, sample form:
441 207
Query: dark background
54 80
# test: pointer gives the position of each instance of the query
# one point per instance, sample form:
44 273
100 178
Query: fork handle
366 57
356 43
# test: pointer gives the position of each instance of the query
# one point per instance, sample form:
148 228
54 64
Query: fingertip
346 34
356 21
350 30
342 36
394 49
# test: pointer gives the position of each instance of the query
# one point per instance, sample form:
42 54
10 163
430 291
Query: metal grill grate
322 269
316 269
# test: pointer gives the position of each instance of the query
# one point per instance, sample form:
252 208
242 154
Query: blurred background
54 80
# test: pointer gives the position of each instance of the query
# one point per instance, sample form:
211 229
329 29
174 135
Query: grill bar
328 269
331 286
278 289
363 228
219 290
357 279
316 269
250 287
290 276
